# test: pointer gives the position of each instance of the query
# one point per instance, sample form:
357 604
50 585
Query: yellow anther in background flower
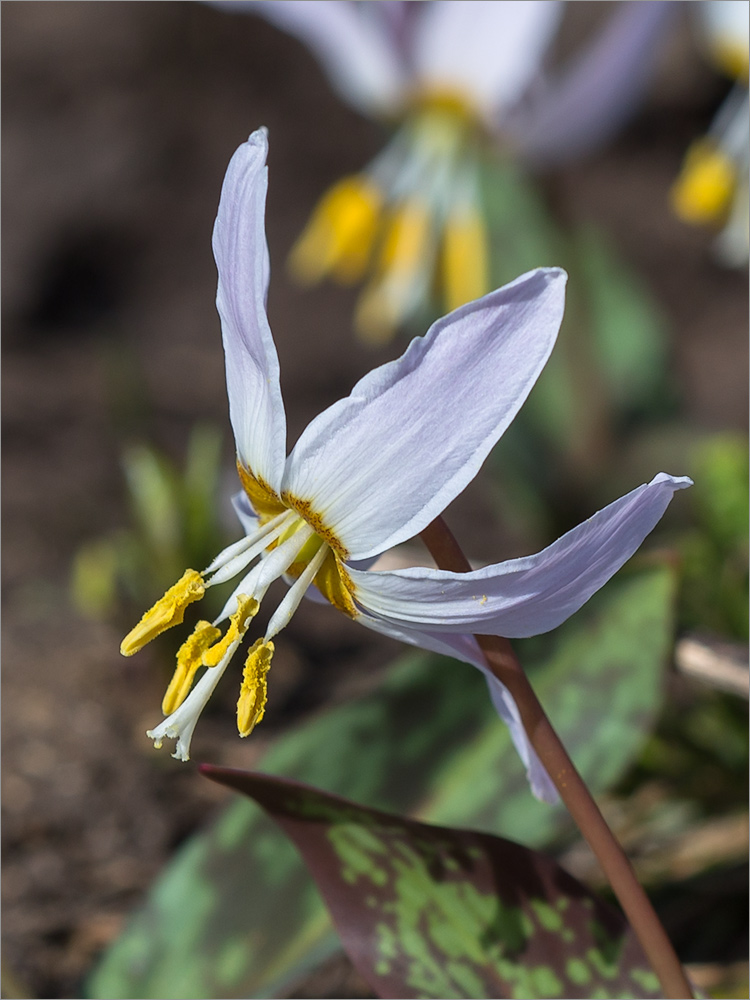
168 611
402 256
189 658
338 238
703 191
254 691
732 57
464 258
375 319
247 608
405 239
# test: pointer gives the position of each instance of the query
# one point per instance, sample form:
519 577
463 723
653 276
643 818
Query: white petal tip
259 137
676 482
555 272
545 792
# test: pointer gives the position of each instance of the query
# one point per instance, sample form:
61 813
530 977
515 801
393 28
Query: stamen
181 723
402 258
254 691
189 658
239 546
270 568
704 189
254 545
465 258
239 622
168 611
283 614
338 238
277 562
405 239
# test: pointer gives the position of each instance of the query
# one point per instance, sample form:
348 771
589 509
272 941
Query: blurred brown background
119 120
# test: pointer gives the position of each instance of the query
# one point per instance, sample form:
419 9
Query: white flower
373 470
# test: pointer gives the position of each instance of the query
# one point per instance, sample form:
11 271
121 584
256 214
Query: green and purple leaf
428 911
236 914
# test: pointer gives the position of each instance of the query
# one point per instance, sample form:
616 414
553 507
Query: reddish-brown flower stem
503 663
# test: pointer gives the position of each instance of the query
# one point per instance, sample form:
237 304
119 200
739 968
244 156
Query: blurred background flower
461 81
712 189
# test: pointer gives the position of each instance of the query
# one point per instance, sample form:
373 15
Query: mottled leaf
428 911
235 914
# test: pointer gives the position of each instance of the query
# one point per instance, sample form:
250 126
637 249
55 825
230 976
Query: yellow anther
189 658
254 691
401 257
247 608
703 192
464 259
167 611
405 241
732 57
375 319
338 238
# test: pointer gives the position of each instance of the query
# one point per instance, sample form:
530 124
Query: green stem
504 664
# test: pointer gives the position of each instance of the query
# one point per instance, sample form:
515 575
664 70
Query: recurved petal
382 463
255 404
352 42
490 50
527 596
465 648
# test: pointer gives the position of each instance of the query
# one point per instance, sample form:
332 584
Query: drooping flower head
457 78
371 471
712 188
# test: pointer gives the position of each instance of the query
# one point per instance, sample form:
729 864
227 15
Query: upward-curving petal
490 50
527 596
256 408
379 465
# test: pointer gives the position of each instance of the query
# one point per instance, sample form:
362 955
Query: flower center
290 541
447 102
